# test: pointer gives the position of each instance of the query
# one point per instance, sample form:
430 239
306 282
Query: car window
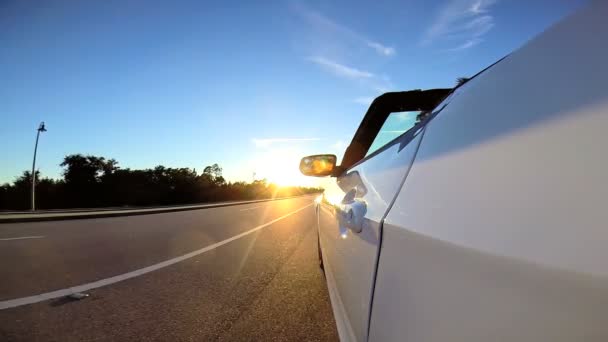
395 125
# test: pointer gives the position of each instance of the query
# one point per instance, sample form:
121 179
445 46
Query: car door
350 216
499 230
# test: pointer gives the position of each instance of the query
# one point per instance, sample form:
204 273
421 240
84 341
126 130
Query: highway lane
75 252
262 286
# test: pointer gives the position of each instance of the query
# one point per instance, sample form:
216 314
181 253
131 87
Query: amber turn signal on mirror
318 165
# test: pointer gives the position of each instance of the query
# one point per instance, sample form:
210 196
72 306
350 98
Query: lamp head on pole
42 128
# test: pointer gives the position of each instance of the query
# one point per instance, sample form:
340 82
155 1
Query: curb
60 216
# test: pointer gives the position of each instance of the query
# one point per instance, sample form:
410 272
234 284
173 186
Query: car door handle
352 215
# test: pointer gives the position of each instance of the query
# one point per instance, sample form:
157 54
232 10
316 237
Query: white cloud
340 69
270 141
381 49
461 22
379 83
329 26
469 43
332 47
480 6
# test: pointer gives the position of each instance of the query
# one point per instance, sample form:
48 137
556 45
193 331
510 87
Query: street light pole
41 128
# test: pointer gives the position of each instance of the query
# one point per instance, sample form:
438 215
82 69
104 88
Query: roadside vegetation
91 181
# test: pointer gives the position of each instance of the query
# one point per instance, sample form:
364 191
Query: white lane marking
259 206
22 238
11 303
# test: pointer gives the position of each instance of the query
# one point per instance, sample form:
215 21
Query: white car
486 218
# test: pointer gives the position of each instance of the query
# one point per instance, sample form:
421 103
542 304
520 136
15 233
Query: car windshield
395 125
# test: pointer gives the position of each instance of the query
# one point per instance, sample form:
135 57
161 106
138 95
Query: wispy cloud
467 44
340 50
341 69
266 142
381 49
379 83
328 26
461 24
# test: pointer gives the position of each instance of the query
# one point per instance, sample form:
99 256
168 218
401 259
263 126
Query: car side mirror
318 165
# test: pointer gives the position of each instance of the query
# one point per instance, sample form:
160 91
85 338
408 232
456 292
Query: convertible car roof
378 112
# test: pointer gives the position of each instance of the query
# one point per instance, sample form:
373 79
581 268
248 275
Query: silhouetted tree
213 174
82 176
92 181
17 195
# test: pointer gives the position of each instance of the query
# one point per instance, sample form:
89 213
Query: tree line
92 181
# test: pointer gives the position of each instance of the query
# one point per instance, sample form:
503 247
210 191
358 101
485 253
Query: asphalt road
238 273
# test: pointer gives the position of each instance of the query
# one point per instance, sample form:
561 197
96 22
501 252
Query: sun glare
281 167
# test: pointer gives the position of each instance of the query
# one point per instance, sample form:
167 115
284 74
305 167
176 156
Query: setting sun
280 167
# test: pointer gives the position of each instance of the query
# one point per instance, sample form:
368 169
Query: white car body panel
350 258
500 231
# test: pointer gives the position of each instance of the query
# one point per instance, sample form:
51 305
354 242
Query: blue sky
241 83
